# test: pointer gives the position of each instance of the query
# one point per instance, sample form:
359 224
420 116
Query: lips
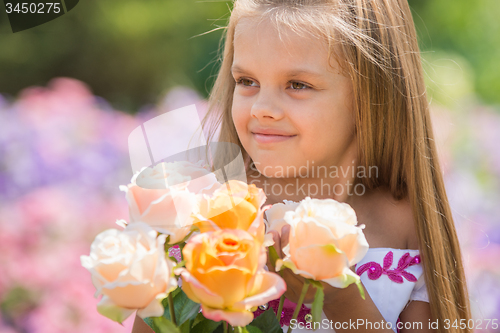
268 135
270 131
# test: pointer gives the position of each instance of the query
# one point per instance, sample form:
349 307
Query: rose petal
268 240
309 232
111 271
332 261
156 213
258 228
342 281
109 309
234 318
228 282
135 294
197 291
143 197
266 287
153 309
289 264
177 234
354 246
275 215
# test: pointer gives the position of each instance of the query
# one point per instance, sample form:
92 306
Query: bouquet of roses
192 257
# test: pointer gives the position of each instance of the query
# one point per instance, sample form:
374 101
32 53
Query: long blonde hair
376 44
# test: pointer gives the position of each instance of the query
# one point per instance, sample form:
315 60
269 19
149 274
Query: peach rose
130 269
164 196
324 230
225 273
235 205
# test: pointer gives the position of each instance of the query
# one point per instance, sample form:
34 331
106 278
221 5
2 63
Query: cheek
240 116
327 130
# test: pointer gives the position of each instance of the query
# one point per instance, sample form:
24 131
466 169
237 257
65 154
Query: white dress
392 278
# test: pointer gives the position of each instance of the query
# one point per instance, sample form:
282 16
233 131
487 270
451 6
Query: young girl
312 85
306 85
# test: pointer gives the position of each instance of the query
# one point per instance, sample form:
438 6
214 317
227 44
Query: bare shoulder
390 222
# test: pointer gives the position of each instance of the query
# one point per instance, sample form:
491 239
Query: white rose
130 269
324 231
164 196
275 215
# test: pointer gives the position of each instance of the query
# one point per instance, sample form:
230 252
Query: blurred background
73 89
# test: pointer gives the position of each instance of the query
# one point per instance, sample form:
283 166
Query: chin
271 169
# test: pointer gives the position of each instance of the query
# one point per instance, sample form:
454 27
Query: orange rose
235 205
225 273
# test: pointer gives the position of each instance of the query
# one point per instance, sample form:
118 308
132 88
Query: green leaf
199 317
317 306
267 322
273 254
219 329
185 309
186 326
164 301
315 283
360 288
162 325
206 325
180 264
251 329
149 321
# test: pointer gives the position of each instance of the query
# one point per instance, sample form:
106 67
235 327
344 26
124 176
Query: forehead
260 41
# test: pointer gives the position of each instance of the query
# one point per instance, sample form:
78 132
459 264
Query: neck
334 182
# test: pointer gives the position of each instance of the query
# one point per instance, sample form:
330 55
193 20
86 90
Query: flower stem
225 326
280 307
299 303
171 308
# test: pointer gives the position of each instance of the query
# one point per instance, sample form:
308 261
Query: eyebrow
292 73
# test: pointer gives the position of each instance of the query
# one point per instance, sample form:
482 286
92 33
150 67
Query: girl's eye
294 85
299 86
246 82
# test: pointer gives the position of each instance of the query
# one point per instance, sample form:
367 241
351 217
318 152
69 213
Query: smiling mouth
271 138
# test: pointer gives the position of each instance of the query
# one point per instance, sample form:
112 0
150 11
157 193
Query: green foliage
186 314
17 300
202 325
185 309
361 289
190 320
162 325
251 329
467 29
273 255
128 51
266 322
317 306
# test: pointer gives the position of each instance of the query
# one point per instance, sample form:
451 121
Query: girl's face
290 107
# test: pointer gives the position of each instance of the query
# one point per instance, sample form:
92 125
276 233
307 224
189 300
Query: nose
267 106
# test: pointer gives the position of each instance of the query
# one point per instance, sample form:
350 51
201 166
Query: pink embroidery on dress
396 275
287 312
175 252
